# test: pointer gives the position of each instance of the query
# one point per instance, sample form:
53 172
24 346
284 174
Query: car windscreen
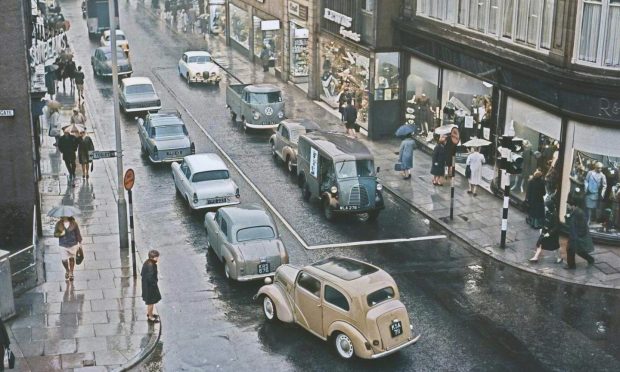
170 131
379 296
199 59
264 98
139 89
120 55
355 168
255 233
213 175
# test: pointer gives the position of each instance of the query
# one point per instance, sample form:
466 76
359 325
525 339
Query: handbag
468 171
398 166
9 358
79 255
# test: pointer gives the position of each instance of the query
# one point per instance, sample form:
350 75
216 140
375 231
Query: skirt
69 252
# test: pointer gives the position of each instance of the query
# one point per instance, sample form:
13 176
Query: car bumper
388 352
166 160
119 73
203 205
247 278
262 126
142 109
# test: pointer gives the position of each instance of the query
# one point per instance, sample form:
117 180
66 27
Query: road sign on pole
129 179
128 182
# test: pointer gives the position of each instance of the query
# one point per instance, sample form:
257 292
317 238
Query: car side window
224 227
309 283
185 169
285 133
280 127
188 173
184 58
334 297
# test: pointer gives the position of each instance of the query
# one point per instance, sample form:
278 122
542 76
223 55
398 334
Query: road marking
264 198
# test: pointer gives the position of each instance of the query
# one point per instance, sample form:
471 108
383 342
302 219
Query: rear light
192 148
237 193
195 198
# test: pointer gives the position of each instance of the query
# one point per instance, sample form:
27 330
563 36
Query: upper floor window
525 22
598 35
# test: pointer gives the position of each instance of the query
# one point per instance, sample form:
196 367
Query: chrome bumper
247 278
388 352
141 109
208 206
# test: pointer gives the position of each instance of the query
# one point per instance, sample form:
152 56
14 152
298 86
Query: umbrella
444 129
404 130
477 142
64 211
74 129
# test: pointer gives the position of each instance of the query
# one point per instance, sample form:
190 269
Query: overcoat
438 168
150 290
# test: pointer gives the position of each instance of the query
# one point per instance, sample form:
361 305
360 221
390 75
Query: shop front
215 16
268 36
240 25
299 50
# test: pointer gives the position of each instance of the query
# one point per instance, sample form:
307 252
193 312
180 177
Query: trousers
570 257
70 164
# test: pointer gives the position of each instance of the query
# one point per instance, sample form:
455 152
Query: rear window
211 176
170 131
255 233
379 296
139 88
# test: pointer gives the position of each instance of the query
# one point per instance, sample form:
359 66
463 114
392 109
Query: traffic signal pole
506 184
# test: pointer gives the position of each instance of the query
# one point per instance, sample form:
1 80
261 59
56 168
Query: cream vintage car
352 304
198 67
284 141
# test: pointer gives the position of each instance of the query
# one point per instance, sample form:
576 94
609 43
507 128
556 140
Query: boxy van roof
338 146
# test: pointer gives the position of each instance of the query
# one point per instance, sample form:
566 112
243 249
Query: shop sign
344 22
47 50
298 10
301 33
217 2
270 25
7 113
609 108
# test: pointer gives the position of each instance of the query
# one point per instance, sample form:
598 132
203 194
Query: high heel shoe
534 260
559 260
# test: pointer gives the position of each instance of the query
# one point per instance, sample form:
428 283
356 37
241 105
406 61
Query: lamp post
121 203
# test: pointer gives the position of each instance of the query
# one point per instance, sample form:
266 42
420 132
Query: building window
526 22
599 33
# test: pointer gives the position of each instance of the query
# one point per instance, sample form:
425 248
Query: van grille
358 196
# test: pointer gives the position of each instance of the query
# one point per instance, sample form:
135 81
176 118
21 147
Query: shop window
598 40
267 36
387 76
299 51
239 26
421 93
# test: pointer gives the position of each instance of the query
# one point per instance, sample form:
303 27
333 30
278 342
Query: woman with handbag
549 239
70 240
85 145
150 289
405 156
474 162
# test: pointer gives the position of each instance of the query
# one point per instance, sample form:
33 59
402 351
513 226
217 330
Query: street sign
129 179
94 155
7 113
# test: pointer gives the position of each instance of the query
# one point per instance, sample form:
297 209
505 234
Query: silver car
137 94
246 240
164 137
204 181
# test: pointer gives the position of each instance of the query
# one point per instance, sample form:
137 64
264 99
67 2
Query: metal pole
452 174
131 232
506 184
121 203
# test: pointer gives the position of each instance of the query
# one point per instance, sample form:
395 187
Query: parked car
137 94
121 40
198 67
204 181
259 106
101 62
340 172
284 141
164 137
352 304
246 240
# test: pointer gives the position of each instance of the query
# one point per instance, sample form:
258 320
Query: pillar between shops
7 303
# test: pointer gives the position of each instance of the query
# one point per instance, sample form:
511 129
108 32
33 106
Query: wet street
473 313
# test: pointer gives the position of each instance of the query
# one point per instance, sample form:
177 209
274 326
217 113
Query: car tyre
289 165
273 151
327 210
269 309
343 346
180 74
372 215
233 116
189 81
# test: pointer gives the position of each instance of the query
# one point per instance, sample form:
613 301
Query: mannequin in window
595 185
424 115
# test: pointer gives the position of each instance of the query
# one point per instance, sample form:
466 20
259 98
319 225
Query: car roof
262 88
118 32
205 162
292 124
193 53
339 146
354 276
136 81
247 215
160 119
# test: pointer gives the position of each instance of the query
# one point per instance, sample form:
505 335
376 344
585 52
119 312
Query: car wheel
289 165
305 192
233 116
269 309
372 216
327 210
209 248
344 346
180 74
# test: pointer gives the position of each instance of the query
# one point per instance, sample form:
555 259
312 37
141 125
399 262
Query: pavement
98 321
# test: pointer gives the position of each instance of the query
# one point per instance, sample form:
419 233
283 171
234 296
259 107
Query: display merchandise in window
387 76
268 40
595 181
239 26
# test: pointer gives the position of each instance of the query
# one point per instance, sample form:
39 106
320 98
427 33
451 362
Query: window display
299 51
344 71
216 19
267 37
239 26
387 76
421 94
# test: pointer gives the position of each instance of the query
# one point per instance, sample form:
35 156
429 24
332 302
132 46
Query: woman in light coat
475 161
53 121
405 156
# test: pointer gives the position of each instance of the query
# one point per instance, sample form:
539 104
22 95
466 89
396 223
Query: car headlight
379 187
281 114
256 115
333 190
195 198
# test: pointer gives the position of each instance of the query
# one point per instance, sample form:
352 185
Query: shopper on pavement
475 161
595 184
53 122
350 118
4 343
69 73
84 146
405 157
549 239
78 117
67 144
345 96
265 56
535 200
69 239
580 241
438 166
79 83
59 71
150 290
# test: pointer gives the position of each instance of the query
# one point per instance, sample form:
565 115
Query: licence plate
217 200
173 153
349 207
396 328
264 268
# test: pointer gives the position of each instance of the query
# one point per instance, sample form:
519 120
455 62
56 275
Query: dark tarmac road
473 313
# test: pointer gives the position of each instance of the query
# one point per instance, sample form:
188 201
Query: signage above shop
350 34
298 10
7 113
343 21
301 33
270 25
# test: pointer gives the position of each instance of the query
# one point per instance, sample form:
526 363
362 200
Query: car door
222 238
142 124
278 140
121 94
283 141
336 305
214 234
308 308
183 180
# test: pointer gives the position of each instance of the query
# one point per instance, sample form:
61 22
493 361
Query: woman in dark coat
4 343
84 146
535 198
438 167
549 239
150 290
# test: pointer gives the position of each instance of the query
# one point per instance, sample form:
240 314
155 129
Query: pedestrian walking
150 290
535 200
67 144
4 343
474 162
350 118
69 73
69 239
265 55
77 117
595 184
59 71
405 156
438 167
345 96
79 83
580 240
53 120
549 239
84 146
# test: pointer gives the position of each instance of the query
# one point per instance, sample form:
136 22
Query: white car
121 40
204 181
198 67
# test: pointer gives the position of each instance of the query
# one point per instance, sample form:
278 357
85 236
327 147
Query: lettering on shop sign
608 108
350 34
341 19
298 10
47 50
7 113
